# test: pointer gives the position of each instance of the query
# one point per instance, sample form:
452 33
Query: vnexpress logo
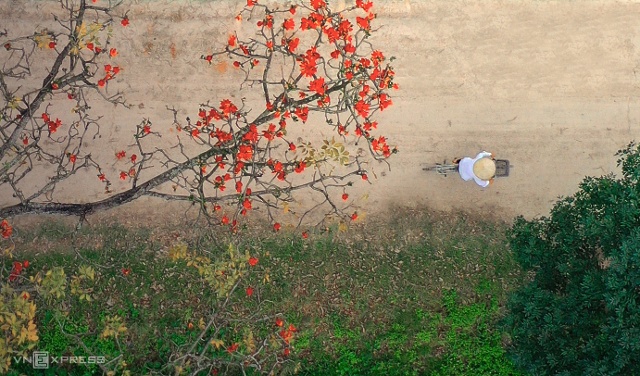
40 360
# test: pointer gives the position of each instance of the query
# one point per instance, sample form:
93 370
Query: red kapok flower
302 113
253 261
345 196
249 291
365 6
276 226
289 24
123 175
125 271
362 108
305 235
227 107
72 158
318 86
279 321
113 52
232 40
125 22
55 86
293 44
292 146
235 346
6 228
300 167
121 154
286 335
25 263
354 216
317 4
52 45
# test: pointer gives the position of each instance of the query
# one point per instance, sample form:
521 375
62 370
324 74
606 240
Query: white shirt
465 168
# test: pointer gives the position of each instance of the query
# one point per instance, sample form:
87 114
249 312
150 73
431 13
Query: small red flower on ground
6 228
276 226
253 261
235 346
279 321
249 291
125 22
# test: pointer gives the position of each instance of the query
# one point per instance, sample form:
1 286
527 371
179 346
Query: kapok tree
314 84
304 65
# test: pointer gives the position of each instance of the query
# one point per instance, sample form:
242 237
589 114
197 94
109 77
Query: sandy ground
552 86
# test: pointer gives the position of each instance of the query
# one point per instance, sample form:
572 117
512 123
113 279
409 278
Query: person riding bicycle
482 168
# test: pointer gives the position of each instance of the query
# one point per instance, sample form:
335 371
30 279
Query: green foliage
461 340
416 296
580 314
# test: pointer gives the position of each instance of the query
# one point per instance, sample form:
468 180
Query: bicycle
502 168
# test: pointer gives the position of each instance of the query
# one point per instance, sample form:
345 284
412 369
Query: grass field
420 293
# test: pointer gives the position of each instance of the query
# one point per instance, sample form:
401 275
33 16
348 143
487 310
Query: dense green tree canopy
579 314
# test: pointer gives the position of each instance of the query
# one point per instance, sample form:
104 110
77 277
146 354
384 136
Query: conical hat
484 168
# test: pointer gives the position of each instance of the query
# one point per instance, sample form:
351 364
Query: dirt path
551 86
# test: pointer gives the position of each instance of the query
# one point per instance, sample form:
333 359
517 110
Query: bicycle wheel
442 169
446 169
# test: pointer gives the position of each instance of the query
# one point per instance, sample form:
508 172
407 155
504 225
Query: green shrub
580 314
